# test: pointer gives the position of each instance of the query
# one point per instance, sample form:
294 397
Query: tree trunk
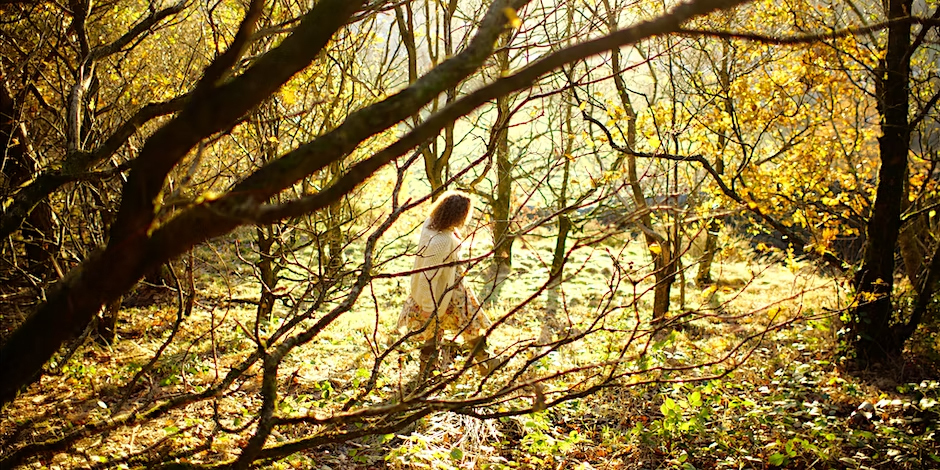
664 267
436 161
37 236
926 289
103 277
704 275
19 166
558 264
502 231
106 328
908 240
550 323
336 240
267 271
502 201
875 335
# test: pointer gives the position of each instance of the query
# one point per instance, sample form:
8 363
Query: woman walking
439 306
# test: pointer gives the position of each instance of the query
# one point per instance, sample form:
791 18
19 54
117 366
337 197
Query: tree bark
876 335
106 329
664 266
267 271
436 160
703 276
912 253
20 166
501 265
550 322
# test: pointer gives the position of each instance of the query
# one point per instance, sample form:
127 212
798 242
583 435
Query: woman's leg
428 358
476 347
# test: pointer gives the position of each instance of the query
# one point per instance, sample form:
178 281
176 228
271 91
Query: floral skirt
463 317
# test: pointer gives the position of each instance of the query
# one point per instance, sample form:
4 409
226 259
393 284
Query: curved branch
799 242
808 38
20 455
242 204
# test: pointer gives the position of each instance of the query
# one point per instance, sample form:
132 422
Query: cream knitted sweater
433 289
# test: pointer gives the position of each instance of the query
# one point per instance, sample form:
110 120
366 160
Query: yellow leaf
207 196
799 218
513 18
655 248
772 312
709 291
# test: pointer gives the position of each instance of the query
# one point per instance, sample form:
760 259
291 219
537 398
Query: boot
477 349
428 360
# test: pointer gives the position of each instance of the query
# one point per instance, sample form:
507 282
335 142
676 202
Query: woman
439 304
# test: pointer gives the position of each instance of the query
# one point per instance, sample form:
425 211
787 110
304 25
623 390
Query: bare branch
140 28
808 38
515 82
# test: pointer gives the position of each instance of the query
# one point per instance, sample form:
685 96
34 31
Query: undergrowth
793 404
790 406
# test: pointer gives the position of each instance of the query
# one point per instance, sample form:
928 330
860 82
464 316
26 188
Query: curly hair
452 210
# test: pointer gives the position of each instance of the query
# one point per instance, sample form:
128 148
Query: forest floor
793 404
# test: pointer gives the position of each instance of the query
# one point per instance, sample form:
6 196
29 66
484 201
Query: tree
834 196
86 63
19 165
664 248
437 152
564 225
501 199
134 247
878 334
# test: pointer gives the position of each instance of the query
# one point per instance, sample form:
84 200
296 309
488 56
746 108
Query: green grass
788 405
